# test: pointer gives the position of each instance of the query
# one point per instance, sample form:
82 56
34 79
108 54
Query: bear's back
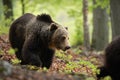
23 20
18 28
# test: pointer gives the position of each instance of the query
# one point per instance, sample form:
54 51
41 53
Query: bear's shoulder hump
45 18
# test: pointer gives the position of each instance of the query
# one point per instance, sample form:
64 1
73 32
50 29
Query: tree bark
115 17
85 25
23 6
100 28
8 9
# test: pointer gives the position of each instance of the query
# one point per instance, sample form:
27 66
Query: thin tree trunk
100 28
115 17
8 9
23 6
85 25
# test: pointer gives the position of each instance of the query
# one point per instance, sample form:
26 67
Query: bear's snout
67 47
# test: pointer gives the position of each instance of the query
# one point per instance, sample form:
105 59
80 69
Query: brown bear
112 61
35 39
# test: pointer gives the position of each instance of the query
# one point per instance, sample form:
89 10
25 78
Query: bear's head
60 37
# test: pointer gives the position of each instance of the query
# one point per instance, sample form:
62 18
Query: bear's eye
63 37
68 38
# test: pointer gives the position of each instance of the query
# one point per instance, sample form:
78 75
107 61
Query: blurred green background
66 12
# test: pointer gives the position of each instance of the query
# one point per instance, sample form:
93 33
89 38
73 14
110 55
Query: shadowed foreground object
112 61
35 39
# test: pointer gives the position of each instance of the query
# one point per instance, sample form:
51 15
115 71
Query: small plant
31 67
45 69
1 52
11 51
63 56
15 61
106 78
89 65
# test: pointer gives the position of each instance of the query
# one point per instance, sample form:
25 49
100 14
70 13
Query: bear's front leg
47 58
30 52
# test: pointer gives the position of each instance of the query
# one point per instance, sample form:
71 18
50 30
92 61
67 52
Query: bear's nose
67 47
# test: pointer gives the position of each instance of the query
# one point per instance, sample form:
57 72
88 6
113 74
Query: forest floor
69 65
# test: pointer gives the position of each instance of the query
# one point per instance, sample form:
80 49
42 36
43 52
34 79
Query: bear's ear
53 27
45 18
66 28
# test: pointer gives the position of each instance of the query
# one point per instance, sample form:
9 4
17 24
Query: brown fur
112 61
36 38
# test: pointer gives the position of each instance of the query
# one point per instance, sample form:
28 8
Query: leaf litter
69 65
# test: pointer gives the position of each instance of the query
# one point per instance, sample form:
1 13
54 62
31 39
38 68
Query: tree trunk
23 6
85 25
100 28
115 17
8 9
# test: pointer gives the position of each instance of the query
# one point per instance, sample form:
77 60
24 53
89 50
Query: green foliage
76 12
11 51
106 78
63 56
64 8
31 67
4 30
71 64
89 64
77 50
15 61
68 13
1 52
4 25
45 69
91 78
102 3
